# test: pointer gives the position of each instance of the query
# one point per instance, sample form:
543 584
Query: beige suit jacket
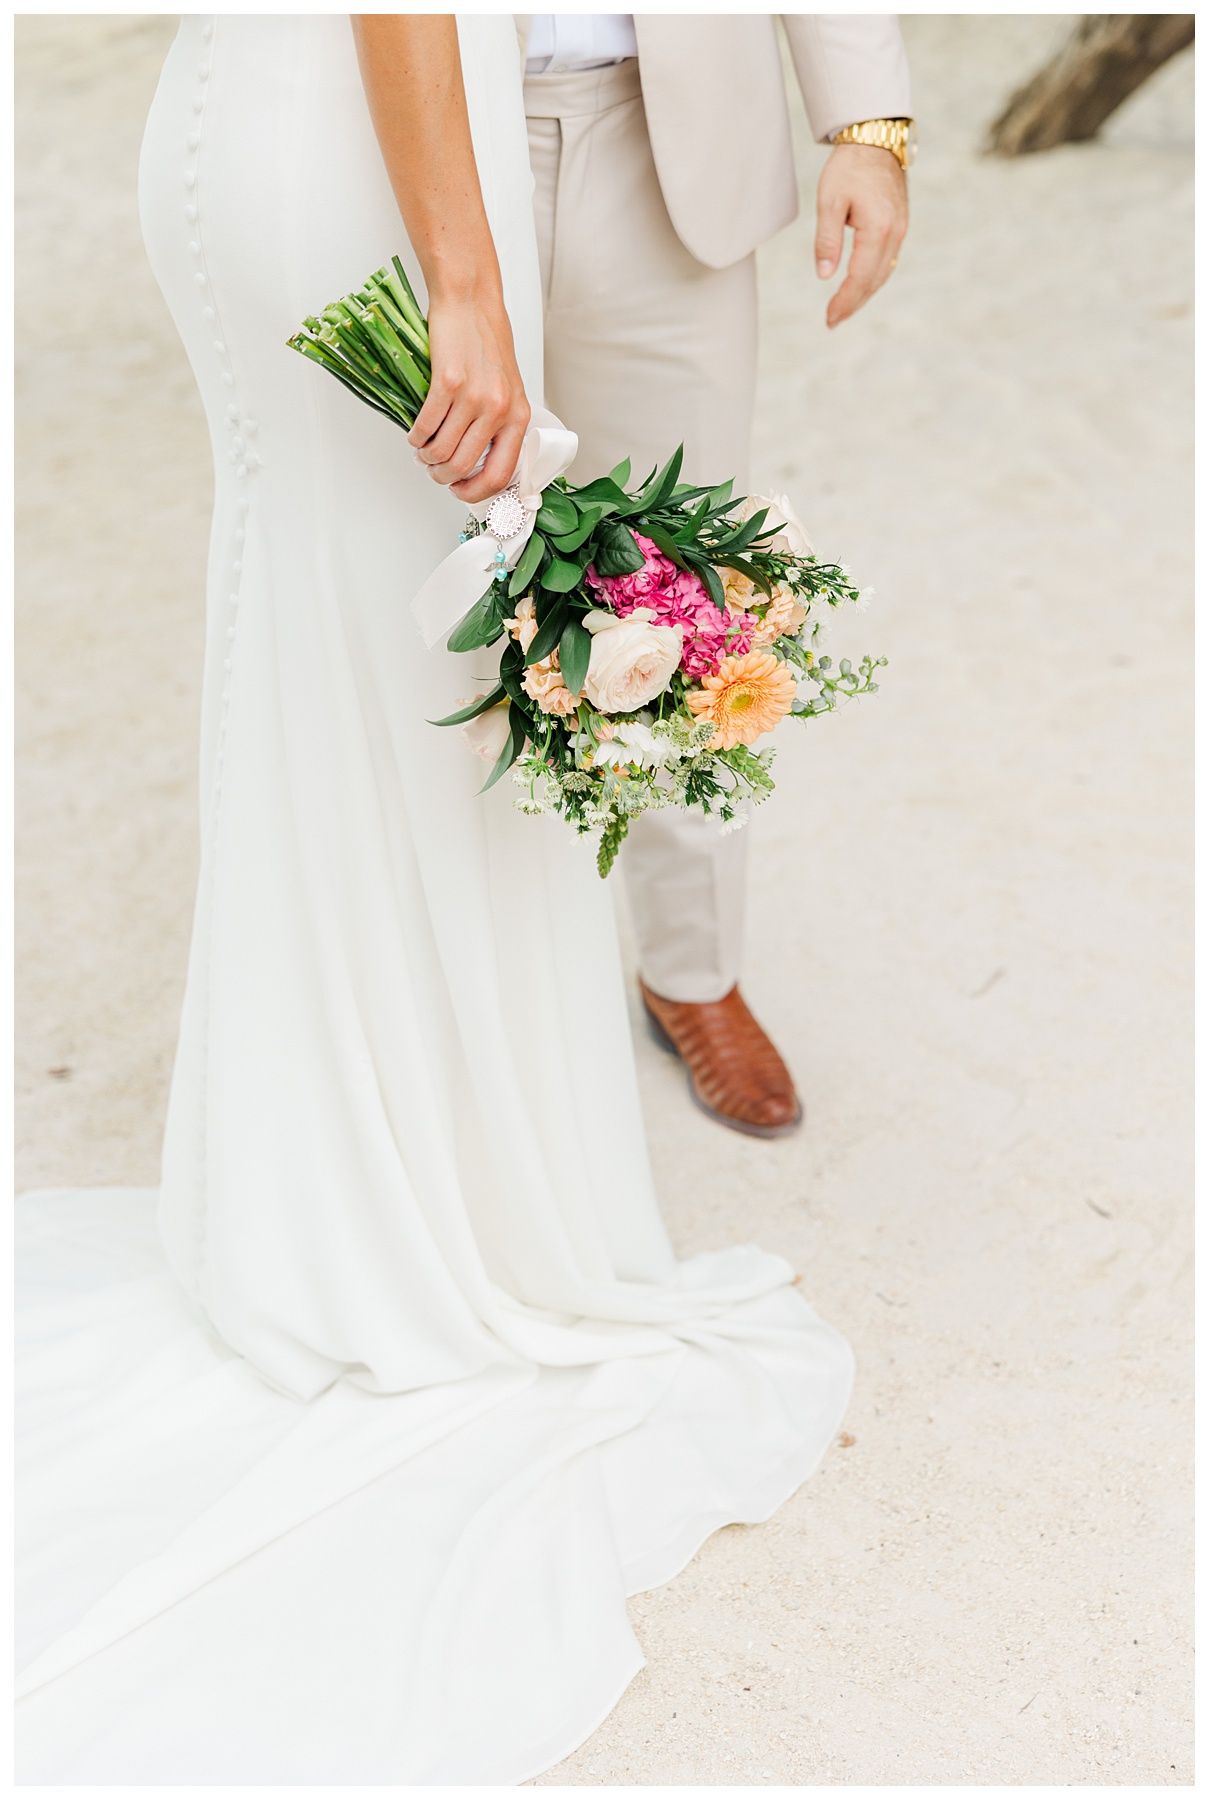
718 119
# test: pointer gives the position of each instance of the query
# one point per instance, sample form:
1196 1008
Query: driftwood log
1105 58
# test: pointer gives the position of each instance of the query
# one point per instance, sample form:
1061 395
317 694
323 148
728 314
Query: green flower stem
375 342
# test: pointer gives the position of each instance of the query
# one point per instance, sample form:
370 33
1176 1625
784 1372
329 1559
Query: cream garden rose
791 539
488 734
632 659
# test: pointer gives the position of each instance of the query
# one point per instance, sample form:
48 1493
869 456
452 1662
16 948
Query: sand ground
969 921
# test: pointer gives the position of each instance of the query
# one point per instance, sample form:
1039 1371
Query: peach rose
543 682
738 590
785 613
523 623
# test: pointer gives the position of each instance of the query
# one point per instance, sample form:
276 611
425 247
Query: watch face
911 147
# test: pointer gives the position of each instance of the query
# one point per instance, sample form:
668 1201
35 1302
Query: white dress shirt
559 41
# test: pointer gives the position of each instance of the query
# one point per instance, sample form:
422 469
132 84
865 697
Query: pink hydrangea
678 598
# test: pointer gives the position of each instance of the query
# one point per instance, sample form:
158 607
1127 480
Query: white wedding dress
338 1471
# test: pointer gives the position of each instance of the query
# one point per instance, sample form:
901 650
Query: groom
661 152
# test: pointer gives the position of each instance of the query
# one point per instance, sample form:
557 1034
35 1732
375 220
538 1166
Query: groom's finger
868 267
829 230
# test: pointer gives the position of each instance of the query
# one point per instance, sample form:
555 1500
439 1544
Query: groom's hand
866 188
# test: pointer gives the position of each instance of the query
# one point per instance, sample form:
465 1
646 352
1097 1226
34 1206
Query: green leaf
713 586
684 495
603 492
511 750
574 654
548 633
664 482
750 529
756 576
616 551
571 540
665 541
621 474
464 716
562 576
481 625
526 568
557 514
512 667
687 532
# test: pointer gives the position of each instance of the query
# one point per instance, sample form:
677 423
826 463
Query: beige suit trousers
646 348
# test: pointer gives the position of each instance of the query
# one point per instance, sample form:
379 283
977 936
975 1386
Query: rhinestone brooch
505 515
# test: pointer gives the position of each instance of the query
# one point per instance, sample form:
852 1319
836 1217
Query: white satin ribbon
454 585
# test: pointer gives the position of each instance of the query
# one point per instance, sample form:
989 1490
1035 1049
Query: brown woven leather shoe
735 1072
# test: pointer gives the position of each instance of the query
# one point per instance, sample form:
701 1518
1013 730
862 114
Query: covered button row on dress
240 456
241 428
236 570
192 144
241 453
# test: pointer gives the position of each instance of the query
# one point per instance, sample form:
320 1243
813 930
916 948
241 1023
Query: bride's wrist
457 285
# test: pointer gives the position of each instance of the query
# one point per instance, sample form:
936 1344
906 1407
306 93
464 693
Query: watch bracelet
895 135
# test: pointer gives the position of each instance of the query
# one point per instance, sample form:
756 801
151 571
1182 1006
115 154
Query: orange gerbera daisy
748 696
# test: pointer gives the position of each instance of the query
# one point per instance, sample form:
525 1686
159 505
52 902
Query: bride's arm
413 81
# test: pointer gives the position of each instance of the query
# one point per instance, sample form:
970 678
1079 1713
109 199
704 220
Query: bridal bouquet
651 634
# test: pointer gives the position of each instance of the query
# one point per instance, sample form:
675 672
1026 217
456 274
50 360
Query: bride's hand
476 400
412 70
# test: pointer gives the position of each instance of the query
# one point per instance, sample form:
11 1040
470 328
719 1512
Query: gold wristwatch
895 135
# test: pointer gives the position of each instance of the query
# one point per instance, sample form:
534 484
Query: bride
340 1460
